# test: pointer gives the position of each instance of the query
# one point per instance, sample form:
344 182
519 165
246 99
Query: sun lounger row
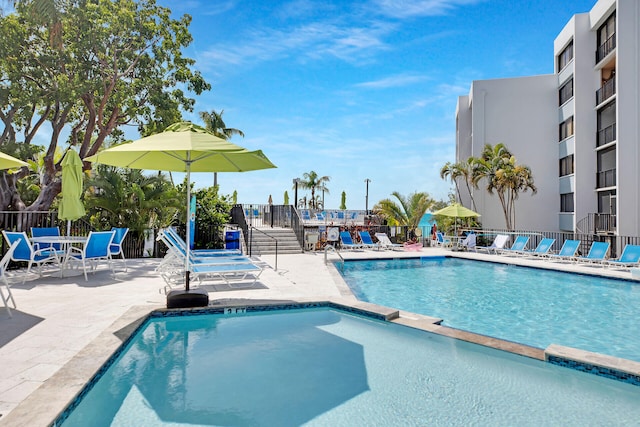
227 265
597 254
366 241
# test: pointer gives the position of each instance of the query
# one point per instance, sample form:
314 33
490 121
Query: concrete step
263 241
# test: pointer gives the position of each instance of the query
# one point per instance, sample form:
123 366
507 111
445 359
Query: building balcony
606 178
606 91
606 48
606 135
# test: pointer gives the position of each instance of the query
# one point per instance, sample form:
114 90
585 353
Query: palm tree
451 171
504 176
313 182
214 123
408 213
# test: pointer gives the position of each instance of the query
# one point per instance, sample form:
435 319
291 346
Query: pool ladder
326 248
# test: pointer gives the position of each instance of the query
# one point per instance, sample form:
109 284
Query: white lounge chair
386 243
498 244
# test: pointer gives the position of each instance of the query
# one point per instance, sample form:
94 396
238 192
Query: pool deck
64 328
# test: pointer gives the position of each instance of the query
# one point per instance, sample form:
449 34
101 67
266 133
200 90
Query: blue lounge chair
366 240
320 216
597 254
171 236
567 251
305 215
96 249
542 249
442 241
116 244
46 232
498 243
346 242
518 247
25 252
630 257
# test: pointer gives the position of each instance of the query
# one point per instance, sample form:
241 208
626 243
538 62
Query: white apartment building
578 129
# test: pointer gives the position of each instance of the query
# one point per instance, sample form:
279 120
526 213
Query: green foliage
119 62
286 198
408 212
312 181
212 213
343 201
498 168
118 197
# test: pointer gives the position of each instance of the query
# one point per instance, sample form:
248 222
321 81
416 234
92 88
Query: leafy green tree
119 62
313 182
212 213
213 122
455 171
499 168
407 212
128 198
343 201
286 198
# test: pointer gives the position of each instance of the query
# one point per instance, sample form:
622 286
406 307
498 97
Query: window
566 128
606 176
565 56
606 124
566 202
606 38
566 91
566 165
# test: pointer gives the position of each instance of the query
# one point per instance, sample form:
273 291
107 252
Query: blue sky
358 89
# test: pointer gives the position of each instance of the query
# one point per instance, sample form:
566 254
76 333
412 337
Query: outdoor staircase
262 244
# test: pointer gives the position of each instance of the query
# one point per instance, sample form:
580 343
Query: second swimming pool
526 305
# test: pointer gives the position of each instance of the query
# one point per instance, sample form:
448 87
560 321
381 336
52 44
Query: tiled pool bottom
444 369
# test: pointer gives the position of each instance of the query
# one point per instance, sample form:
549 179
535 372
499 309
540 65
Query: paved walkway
58 317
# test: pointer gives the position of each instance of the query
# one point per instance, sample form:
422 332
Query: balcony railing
605 223
606 178
605 48
606 91
606 135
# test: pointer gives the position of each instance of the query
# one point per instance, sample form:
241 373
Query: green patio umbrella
456 210
9 162
71 206
183 147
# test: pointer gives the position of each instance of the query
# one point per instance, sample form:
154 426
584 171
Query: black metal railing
606 91
606 178
606 135
605 48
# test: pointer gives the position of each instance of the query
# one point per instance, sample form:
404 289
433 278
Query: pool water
525 305
326 367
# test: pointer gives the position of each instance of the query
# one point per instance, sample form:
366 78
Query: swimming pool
326 367
526 305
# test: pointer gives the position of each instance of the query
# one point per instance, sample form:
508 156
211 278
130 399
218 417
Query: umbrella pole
188 239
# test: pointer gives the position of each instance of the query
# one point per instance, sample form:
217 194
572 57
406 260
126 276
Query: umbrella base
185 299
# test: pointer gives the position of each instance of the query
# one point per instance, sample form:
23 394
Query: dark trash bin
232 240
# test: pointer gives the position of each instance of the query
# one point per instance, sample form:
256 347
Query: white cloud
418 8
393 81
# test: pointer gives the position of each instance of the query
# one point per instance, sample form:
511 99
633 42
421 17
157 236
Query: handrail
336 251
251 228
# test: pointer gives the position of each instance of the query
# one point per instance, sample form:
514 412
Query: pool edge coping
47 403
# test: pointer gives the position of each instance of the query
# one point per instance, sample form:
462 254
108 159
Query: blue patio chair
4 263
346 242
46 232
366 240
567 251
519 245
630 257
305 215
597 254
442 241
95 249
116 245
542 249
25 252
